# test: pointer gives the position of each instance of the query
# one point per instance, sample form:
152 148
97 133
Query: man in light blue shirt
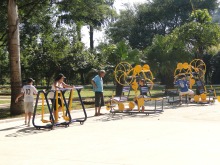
97 83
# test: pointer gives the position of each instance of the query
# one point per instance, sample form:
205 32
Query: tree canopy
155 32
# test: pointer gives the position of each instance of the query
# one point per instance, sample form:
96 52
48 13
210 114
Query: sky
98 35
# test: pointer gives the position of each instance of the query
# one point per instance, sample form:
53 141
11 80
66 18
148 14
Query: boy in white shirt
28 91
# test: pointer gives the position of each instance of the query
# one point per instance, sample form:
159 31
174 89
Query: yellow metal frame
42 109
195 66
125 74
56 115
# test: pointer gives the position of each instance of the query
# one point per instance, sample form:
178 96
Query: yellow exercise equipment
123 73
218 98
42 109
131 105
126 75
195 70
121 106
196 98
58 95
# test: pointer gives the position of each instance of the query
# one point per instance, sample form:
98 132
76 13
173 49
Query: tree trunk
78 31
118 89
82 78
167 80
91 37
14 57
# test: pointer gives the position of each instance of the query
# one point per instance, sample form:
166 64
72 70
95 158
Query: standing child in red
28 91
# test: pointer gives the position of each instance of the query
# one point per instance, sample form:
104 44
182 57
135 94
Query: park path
186 135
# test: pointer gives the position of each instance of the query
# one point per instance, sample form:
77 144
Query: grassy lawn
86 94
4 101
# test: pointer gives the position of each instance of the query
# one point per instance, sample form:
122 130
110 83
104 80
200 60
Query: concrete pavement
179 136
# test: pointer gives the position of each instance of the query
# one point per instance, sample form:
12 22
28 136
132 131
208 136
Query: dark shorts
99 99
54 101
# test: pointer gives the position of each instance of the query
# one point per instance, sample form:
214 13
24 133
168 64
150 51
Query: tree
14 56
193 38
163 56
79 61
215 69
116 53
156 17
93 13
199 34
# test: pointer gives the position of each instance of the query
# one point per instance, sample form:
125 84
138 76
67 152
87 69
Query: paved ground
179 136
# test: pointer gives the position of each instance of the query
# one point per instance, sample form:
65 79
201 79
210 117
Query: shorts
189 92
99 99
28 107
54 101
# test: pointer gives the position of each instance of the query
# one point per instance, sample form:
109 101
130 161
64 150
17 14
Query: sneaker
25 123
28 124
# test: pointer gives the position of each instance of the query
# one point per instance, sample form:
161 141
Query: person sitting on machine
200 88
184 89
144 88
144 91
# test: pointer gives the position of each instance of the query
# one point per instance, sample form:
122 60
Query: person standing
58 84
97 83
28 91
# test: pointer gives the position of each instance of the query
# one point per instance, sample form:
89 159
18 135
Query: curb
22 118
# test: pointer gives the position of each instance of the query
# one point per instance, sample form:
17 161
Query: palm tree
14 56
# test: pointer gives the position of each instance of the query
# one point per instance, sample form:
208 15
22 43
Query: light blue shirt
99 83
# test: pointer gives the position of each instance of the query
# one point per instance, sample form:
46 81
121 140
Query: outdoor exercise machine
66 106
195 72
43 123
128 77
53 118
84 118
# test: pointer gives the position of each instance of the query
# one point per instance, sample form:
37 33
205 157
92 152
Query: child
184 89
28 91
58 84
144 91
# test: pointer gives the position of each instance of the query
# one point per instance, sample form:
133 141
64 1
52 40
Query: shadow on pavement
22 130
119 116
11 128
26 132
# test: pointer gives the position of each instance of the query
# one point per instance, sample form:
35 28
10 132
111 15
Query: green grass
5 101
5 112
87 94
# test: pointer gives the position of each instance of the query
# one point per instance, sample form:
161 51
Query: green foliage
215 69
199 37
94 13
163 56
121 51
50 36
161 17
213 50
121 29
201 16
